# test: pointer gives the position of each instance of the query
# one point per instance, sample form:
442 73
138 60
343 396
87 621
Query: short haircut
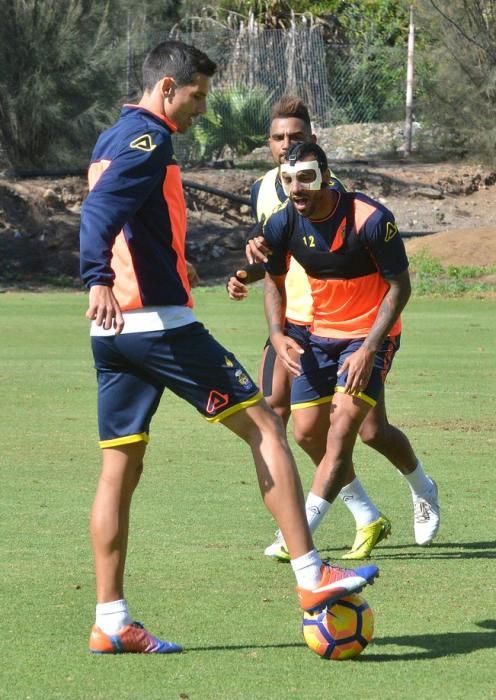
301 149
291 106
176 60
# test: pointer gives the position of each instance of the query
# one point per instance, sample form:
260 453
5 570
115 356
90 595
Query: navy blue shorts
295 331
320 362
133 369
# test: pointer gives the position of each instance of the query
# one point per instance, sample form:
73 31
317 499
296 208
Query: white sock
358 503
111 617
419 482
315 508
307 569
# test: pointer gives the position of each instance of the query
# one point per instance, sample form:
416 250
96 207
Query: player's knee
254 423
372 434
302 435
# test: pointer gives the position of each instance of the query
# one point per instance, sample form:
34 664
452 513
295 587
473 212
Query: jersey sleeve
120 191
276 234
383 239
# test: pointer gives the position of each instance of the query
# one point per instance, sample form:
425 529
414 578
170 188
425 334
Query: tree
461 100
237 120
56 77
64 69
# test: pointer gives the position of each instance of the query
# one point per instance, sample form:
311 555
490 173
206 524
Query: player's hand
235 287
289 351
256 250
193 277
104 309
359 366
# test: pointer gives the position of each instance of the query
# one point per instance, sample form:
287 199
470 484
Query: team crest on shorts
243 379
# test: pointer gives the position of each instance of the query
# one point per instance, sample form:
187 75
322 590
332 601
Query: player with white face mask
290 123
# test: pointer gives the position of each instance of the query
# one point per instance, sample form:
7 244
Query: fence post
407 148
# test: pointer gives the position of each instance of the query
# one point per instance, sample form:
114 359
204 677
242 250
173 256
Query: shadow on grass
433 646
442 550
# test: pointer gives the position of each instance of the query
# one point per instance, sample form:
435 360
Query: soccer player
357 268
145 338
290 123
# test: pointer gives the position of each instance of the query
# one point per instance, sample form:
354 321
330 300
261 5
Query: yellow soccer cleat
278 550
367 537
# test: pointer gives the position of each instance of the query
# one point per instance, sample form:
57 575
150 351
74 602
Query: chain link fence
339 83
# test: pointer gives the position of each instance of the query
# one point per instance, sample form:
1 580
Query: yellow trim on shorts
308 404
359 395
127 440
328 399
234 409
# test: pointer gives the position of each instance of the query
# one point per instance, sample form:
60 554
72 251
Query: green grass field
196 573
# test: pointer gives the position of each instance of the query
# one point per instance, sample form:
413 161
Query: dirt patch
446 209
463 246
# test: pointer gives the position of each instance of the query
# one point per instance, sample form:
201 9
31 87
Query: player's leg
346 416
311 421
126 404
377 432
311 427
109 523
196 367
281 491
347 413
278 478
275 383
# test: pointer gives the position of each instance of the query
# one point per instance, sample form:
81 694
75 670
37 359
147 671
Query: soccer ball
341 631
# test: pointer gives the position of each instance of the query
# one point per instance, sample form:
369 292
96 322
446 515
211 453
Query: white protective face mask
293 170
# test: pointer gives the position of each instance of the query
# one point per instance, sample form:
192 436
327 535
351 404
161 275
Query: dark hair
176 60
291 106
301 149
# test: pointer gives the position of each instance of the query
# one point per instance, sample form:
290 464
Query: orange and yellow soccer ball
341 631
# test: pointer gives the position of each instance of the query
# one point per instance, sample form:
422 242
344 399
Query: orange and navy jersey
133 221
267 195
348 257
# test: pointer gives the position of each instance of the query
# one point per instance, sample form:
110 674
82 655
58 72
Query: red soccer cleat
336 583
131 639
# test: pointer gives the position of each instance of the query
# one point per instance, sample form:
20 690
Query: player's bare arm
275 313
104 309
359 365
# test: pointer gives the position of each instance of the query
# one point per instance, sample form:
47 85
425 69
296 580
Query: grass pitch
196 573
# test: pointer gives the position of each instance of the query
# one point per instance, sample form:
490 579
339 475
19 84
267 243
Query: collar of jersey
332 212
170 125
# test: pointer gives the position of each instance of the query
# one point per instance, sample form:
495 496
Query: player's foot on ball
336 583
278 550
367 537
131 639
426 516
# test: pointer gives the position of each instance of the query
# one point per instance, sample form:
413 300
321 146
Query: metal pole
409 88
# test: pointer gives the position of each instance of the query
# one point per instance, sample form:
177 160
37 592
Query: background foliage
66 67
